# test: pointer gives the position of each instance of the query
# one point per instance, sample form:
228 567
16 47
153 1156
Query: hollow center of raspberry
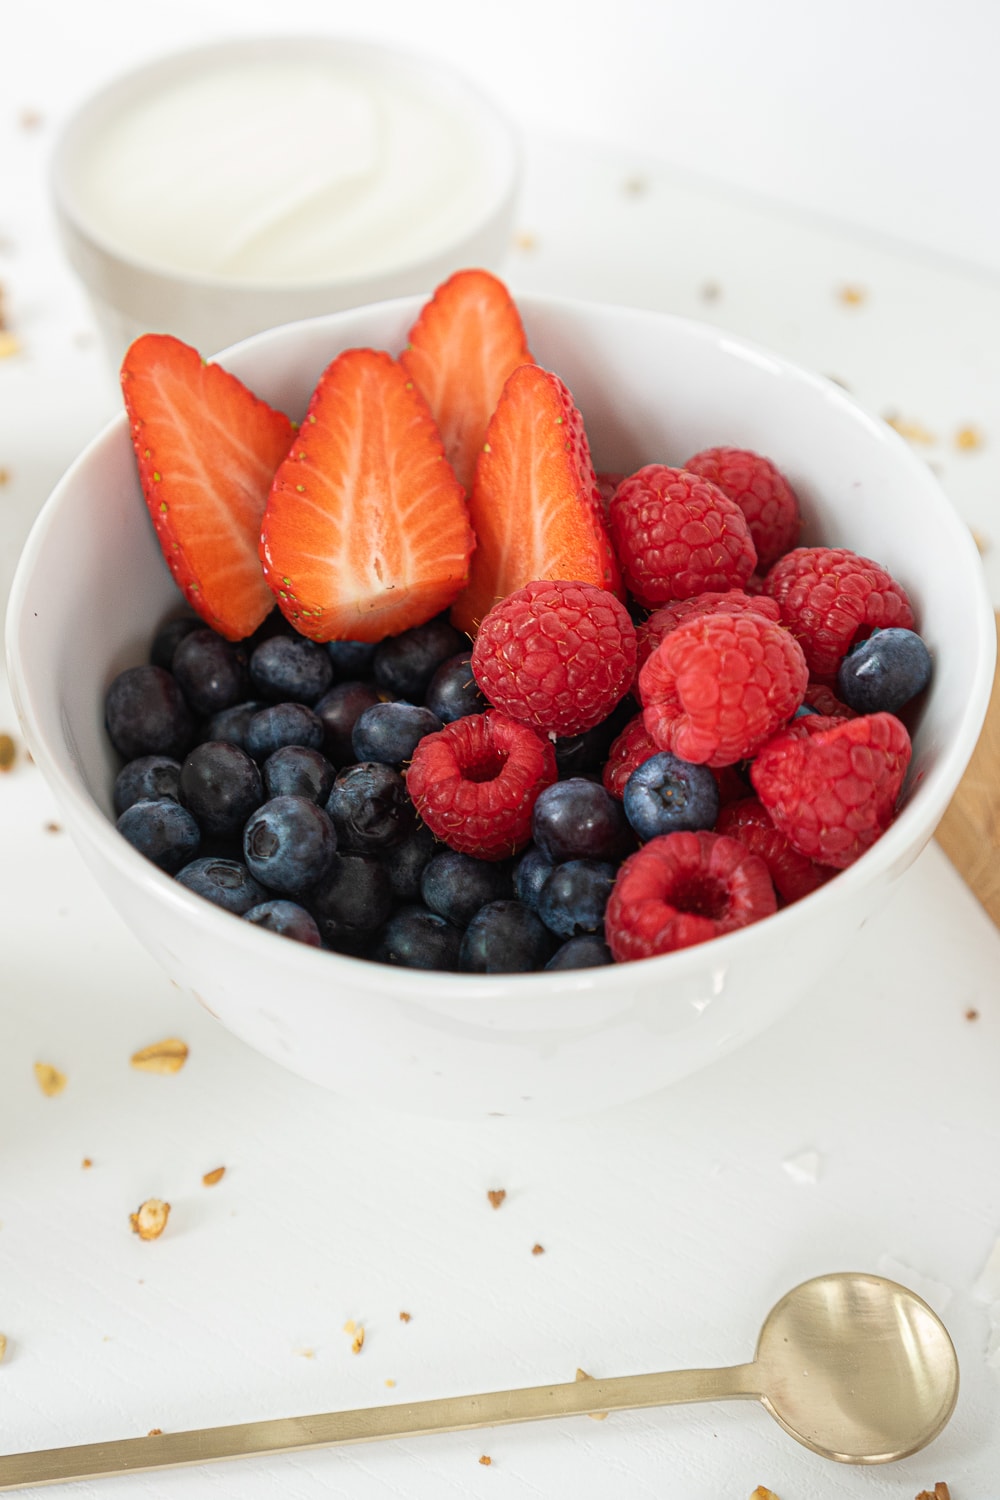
487 768
701 896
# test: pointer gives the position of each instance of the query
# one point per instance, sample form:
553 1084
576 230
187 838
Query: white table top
862 1132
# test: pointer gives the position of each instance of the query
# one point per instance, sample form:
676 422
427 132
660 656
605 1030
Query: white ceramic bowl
145 236
91 587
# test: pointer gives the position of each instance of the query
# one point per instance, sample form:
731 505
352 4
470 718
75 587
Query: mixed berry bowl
92 589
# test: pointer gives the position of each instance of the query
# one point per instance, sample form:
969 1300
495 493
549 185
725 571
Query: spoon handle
367 1424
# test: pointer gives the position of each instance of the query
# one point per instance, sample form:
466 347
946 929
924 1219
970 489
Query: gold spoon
856 1367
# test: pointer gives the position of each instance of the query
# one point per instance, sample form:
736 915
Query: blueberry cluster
268 776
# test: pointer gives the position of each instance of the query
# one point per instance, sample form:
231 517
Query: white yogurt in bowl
245 184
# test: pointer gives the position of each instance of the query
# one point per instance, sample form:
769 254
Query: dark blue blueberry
225 882
585 952
147 714
295 771
290 669
339 711
282 724
350 659
530 873
578 819
406 860
668 795
351 901
231 723
504 937
289 844
884 672
286 918
573 898
403 665
147 779
390 732
416 938
453 692
579 753
211 672
369 807
163 831
169 636
457 885
221 786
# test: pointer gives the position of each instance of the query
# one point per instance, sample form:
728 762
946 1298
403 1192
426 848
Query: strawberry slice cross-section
366 531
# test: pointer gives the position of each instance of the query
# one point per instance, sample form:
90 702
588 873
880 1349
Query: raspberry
650 633
831 785
685 888
719 686
792 873
825 701
474 783
762 493
555 655
677 534
627 752
830 598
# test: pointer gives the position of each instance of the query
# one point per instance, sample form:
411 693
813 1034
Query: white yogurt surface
286 169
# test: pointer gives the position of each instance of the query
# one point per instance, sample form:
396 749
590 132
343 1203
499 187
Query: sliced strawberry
535 505
207 449
467 340
366 530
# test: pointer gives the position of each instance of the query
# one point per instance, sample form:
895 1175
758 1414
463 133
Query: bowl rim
78 226
895 844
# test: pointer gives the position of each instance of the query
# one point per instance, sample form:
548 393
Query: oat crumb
50 1080
525 241
211 1178
538 1249
306 1353
87 1163
968 439
939 1492
155 1432
10 344
358 1341
150 1219
168 1056
350 1326
496 1196
763 1493
405 1317
8 749
852 295
53 827
390 1384
914 432
485 1460
972 1014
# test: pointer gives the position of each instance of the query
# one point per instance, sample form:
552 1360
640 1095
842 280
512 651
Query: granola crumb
211 1178
155 1432
53 827
939 1492
358 1341
150 1219
87 1163
972 1014
485 1460
8 749
496 1196
763 1493
50 1080
350 1326
306 1353
968 439
10 344
525 241
390 1384
405 1317
538 1249
852 295
595 1416
914 432
168 1056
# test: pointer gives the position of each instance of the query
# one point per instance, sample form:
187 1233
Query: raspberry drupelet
831 597
762 493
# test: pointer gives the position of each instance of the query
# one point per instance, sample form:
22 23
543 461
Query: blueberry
225 882
453 692
573 898
289 844
588 751
339 711
211 672
282 724
457 885
169 636
403 665
406 859
289 668
148 778
369 806
286 918
231 723
350 659
163 831
667 795
296 771
416 938
884 672
351 901
585 952
146 714
221 786
578 819
530 873
504 937
390 732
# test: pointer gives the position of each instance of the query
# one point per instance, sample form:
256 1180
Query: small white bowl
383 170
91 587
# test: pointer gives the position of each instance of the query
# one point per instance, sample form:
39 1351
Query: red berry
825 701
556 655
677 535
660 623
718 686
831 785
830 598
762 493
685 888
793 874
475 782
631 747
